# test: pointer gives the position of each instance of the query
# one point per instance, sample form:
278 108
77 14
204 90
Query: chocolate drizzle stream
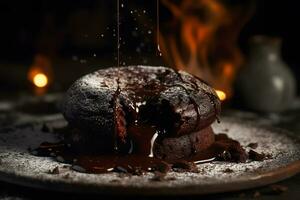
115 107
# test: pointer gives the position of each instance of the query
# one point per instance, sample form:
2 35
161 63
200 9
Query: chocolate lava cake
152 111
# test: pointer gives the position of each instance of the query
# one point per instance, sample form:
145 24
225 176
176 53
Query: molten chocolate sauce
140 159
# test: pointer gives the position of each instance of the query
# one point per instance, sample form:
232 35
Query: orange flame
203 40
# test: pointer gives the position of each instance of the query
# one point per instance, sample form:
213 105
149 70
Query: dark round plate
19 167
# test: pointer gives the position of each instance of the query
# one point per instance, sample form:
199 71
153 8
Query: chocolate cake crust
102 104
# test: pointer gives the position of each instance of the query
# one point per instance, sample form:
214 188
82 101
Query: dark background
70 32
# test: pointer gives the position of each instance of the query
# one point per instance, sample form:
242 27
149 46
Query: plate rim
260 179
